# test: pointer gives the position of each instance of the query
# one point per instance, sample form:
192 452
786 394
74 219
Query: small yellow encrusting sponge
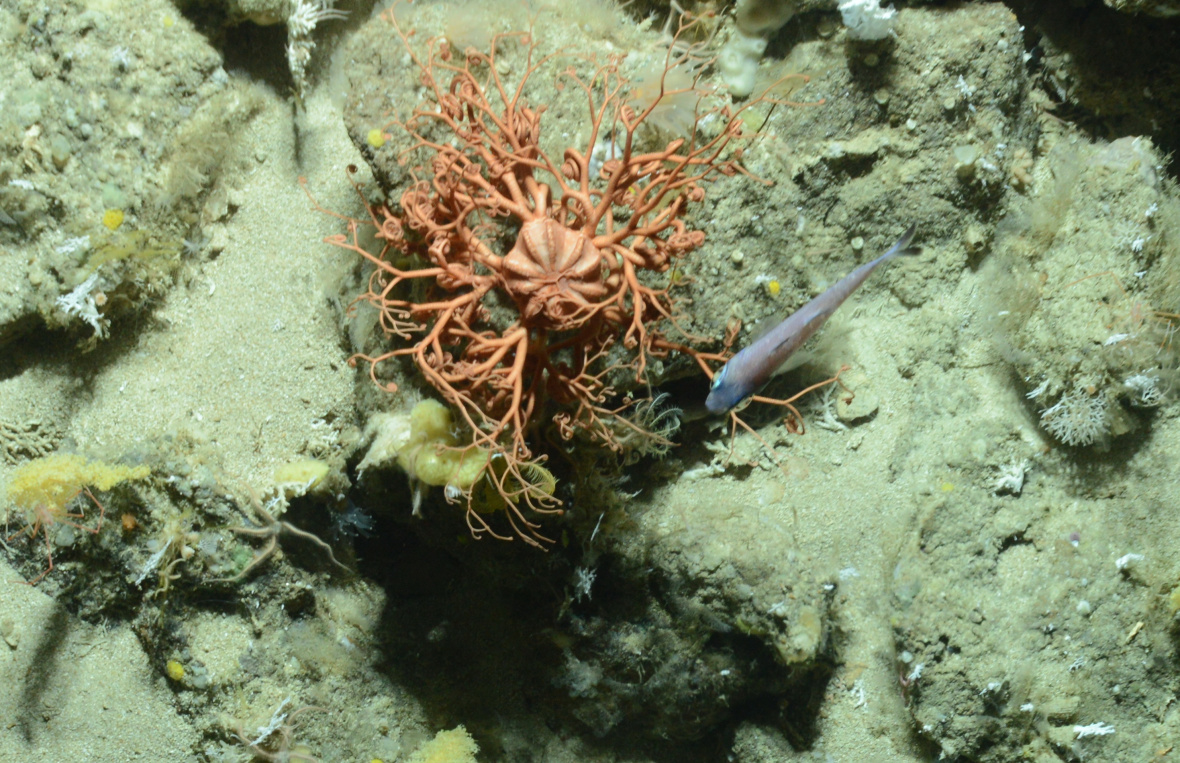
112 218
174 670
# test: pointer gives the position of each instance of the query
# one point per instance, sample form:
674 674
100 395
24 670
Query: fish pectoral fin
798 358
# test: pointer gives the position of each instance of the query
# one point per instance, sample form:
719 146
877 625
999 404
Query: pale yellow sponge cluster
301 477
426 445
454 746
434 453
431 450
55 480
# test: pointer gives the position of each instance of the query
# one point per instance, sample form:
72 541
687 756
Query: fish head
723 395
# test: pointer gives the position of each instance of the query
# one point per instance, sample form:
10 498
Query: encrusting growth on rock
44 488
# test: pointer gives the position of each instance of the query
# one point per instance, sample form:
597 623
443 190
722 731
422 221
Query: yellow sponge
55 480
454 746
434 453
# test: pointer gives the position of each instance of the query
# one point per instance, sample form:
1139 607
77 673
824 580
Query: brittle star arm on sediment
270 531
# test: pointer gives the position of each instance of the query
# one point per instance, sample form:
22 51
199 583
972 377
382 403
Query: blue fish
750 369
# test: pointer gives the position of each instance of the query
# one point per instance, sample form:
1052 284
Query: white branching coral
1039 390
583 582
1078 418
276 722
1145 389
81 303
1093 730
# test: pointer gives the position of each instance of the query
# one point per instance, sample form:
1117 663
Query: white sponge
866 19
738 62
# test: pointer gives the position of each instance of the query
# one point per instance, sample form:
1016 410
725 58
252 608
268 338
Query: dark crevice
1122 76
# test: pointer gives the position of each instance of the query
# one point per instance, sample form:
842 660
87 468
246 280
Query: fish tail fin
902 247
